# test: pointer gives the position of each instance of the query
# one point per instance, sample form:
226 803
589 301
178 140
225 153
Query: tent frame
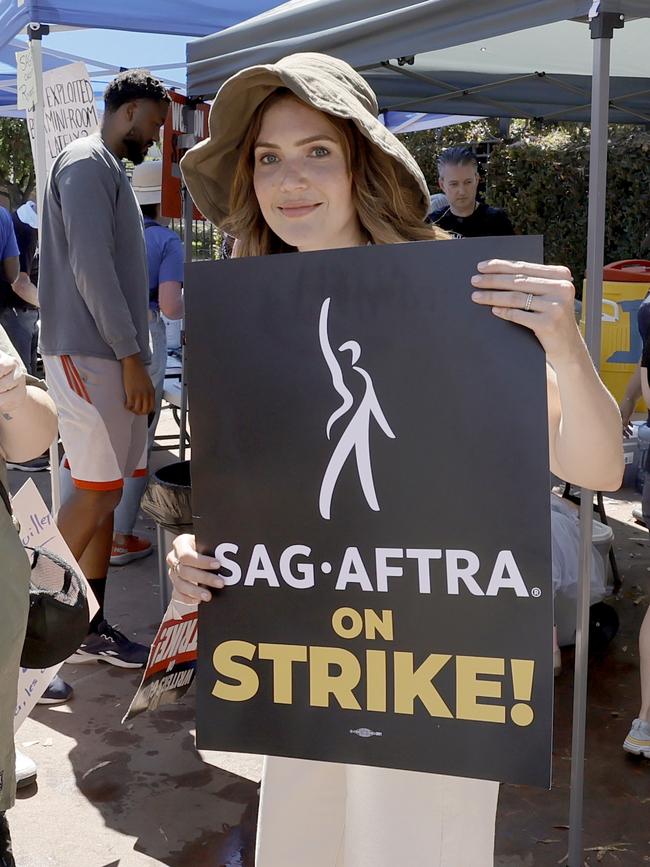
451 92
448 91
602 28
36 32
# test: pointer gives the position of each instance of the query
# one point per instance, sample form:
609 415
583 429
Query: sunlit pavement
110 795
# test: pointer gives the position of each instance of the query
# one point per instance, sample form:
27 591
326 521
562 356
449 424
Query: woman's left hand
540 297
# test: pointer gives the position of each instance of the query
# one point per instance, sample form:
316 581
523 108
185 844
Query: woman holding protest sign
297 161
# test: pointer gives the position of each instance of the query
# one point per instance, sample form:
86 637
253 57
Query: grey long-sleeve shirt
93 285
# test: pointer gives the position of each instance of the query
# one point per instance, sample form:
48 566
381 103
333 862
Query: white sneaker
637 741
25 770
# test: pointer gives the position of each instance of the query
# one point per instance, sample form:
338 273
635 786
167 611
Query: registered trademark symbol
536 592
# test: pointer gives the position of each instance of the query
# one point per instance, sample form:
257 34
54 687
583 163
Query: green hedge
541 178
539 175
17 176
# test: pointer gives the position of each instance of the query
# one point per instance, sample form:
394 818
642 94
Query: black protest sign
370 464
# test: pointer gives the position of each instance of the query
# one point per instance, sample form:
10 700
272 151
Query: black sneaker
57 692
37 465
110 645
6 854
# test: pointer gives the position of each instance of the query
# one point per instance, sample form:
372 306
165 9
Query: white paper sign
69 110
25 82
37 529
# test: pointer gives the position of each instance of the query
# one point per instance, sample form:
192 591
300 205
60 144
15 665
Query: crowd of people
296 160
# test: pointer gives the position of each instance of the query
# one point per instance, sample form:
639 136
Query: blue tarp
100 72
160 17
186 18
411 121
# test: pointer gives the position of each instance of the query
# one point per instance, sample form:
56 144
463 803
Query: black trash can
168 498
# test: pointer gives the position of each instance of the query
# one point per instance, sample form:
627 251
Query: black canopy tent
499 58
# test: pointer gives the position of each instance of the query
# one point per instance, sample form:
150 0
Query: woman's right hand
190 571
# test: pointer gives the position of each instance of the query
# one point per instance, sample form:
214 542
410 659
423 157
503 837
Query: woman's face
301 179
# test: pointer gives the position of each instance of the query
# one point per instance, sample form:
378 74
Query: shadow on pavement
153 790
146 778
617 786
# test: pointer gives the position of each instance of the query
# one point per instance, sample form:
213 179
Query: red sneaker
132 548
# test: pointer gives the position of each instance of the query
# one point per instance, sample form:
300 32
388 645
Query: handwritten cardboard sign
25 81
37 529
69 109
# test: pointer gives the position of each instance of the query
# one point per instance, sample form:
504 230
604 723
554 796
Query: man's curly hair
133 84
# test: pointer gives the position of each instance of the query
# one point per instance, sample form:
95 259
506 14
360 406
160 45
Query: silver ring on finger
173 567
529 302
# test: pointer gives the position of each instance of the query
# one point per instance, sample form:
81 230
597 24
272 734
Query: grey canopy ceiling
514 58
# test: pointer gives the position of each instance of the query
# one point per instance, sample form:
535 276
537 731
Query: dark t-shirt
484 222
643 324
27 239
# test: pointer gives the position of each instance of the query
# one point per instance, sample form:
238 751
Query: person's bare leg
644 656
86 523
81 516
96 557
85 520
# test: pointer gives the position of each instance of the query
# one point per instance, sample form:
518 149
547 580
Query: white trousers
317 814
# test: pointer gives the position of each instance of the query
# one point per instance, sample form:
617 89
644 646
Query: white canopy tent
501 58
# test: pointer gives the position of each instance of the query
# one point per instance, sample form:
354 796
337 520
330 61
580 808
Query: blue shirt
643 323
164 257
643 319
8 243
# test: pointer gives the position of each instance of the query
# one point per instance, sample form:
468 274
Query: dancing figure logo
356 436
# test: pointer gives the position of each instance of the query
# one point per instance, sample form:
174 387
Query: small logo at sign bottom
365 733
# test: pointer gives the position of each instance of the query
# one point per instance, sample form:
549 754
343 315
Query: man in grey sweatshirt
93 292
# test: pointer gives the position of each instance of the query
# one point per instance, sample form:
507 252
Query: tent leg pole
36 33
188 217
601 31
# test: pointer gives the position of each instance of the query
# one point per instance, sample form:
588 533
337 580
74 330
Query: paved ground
128 796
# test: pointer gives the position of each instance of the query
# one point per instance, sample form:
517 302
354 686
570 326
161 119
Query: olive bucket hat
327 84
